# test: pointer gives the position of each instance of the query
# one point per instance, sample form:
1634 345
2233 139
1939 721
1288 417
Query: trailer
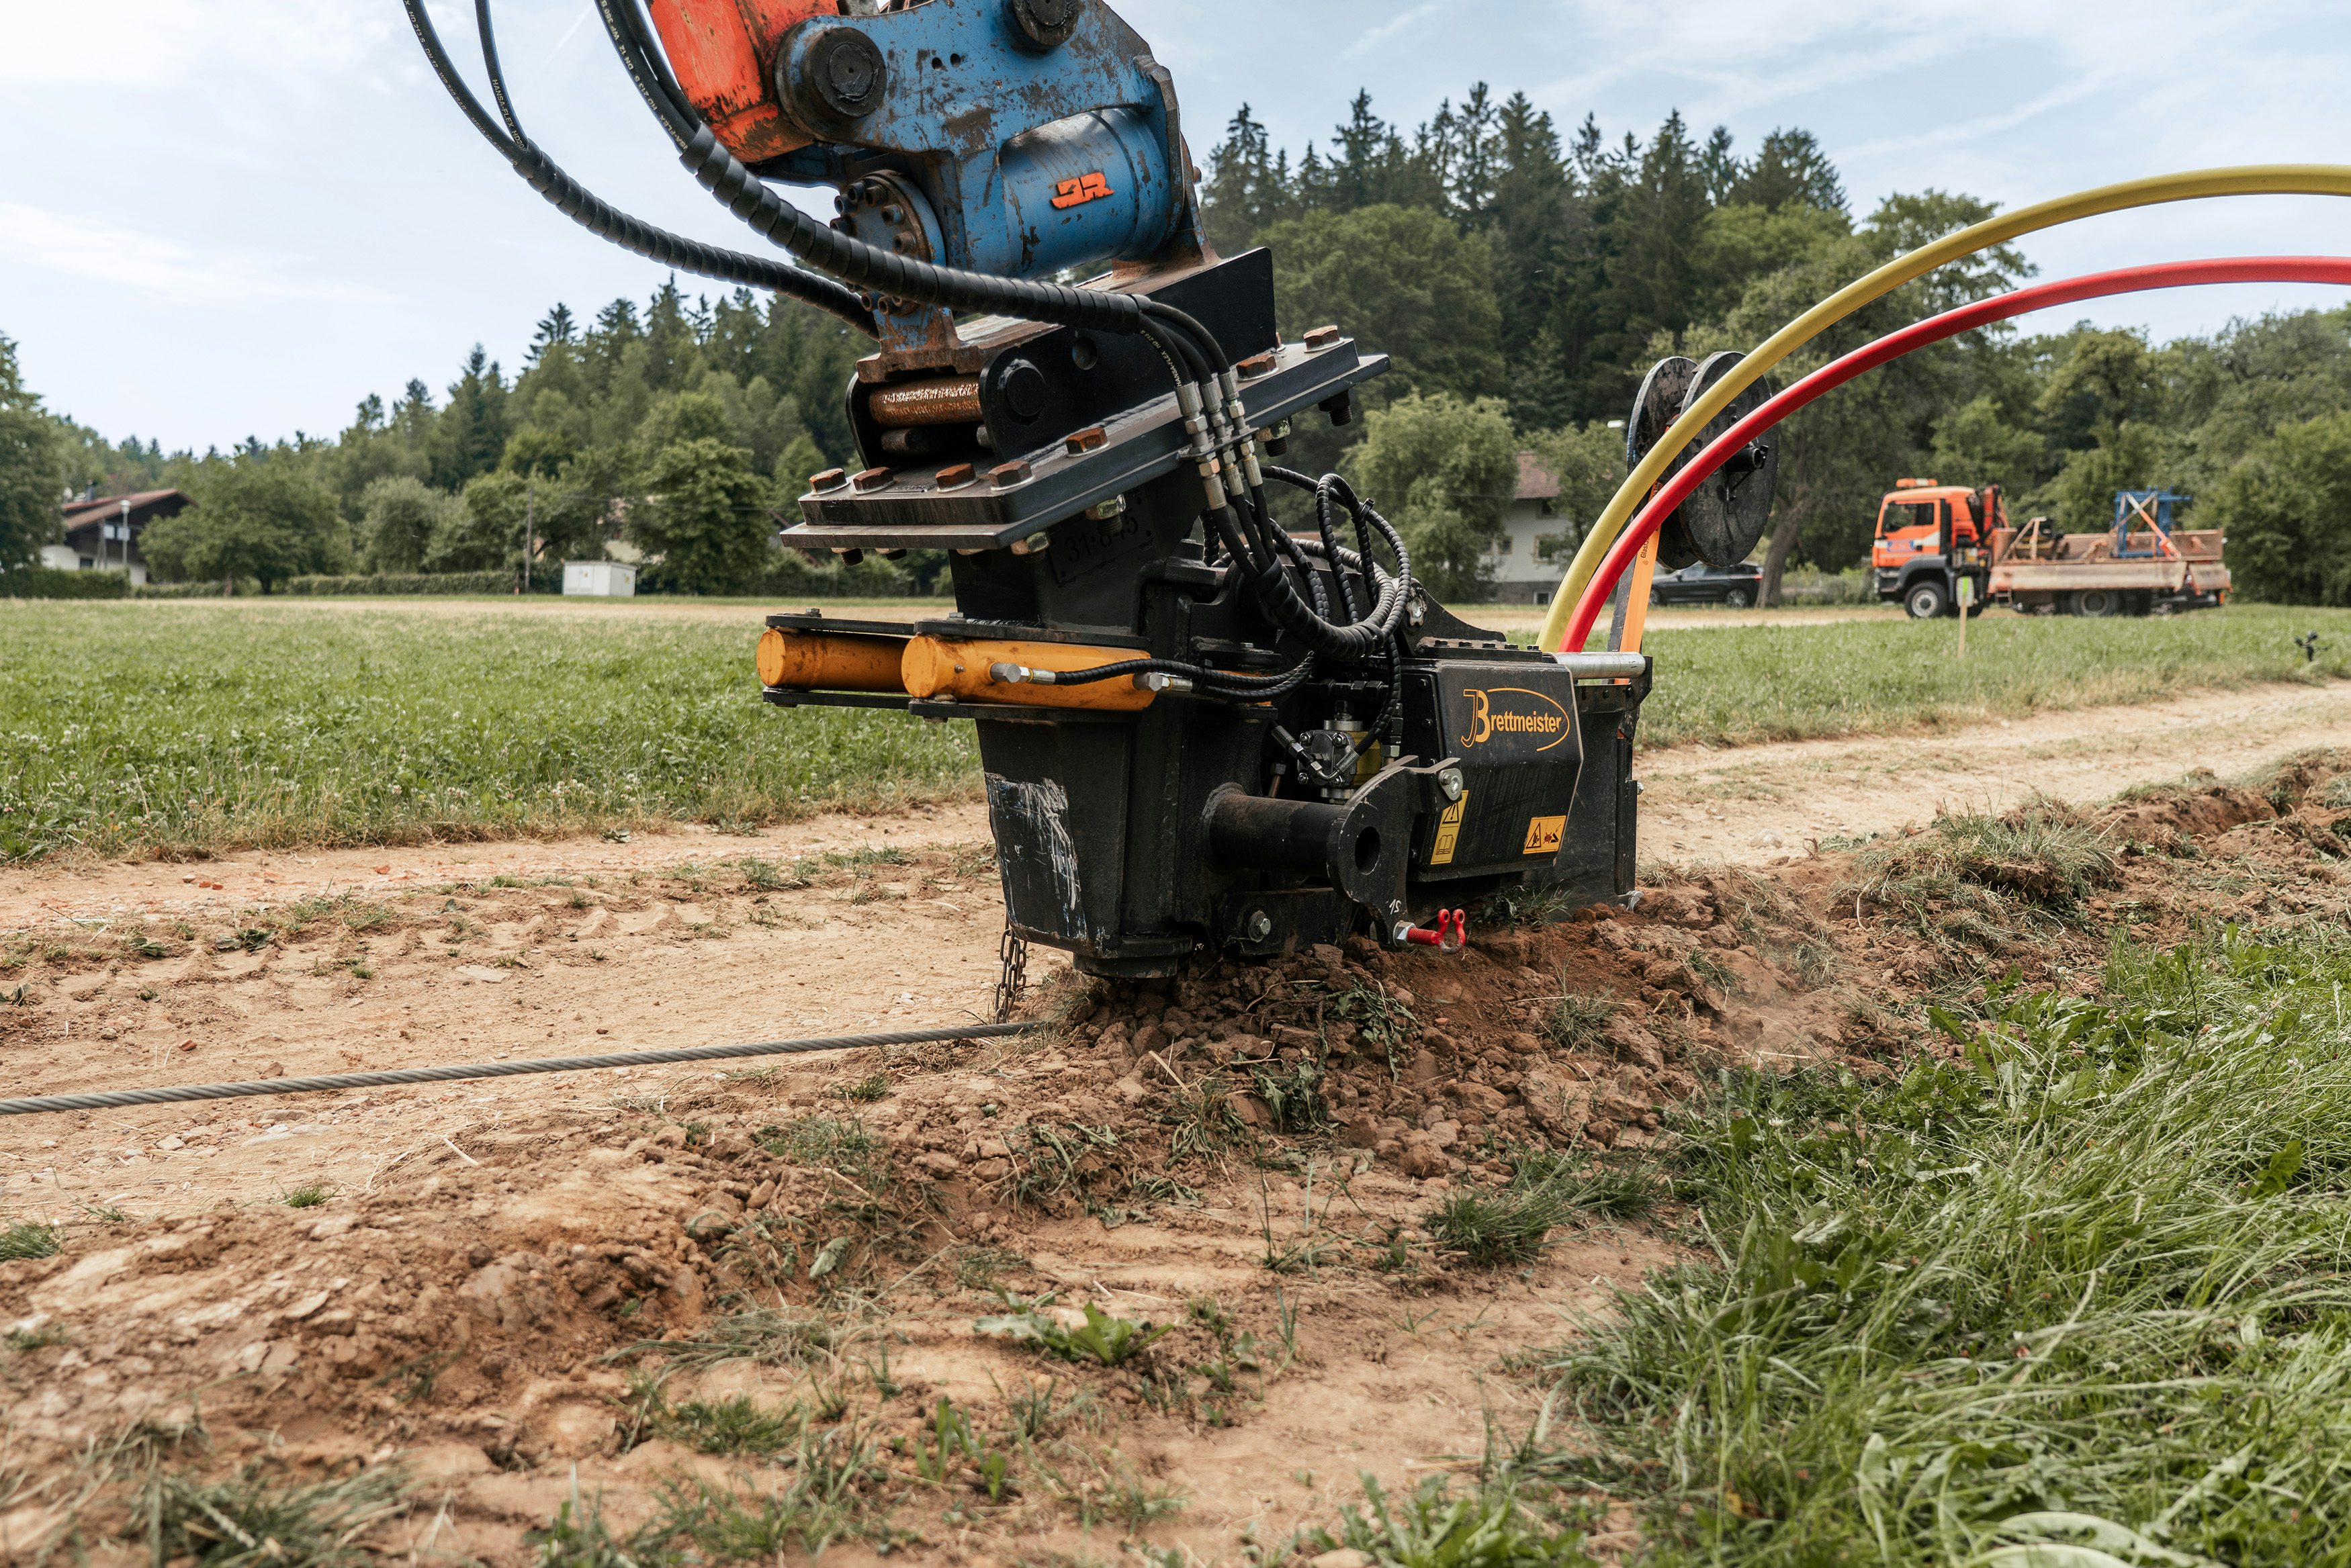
2143 565
1931 535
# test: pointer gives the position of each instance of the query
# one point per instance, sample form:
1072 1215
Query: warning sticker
1448 832
1543 833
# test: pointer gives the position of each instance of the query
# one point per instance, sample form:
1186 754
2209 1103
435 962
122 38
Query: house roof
1536 482
106 507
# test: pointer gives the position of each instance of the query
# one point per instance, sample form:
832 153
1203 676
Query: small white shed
601 579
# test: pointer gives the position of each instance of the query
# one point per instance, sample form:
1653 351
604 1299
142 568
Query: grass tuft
1495 1229
1435 1528
1103 1339
1576 1021
257 1518
28 1238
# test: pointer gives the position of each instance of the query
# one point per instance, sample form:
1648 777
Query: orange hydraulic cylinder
943 667
826 662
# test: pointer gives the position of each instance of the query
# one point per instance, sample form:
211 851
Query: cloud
148 44
96 250
1366 42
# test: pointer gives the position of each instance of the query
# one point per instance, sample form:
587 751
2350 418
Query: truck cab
1930 537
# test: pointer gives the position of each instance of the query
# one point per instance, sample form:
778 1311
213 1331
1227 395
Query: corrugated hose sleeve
885 273
599 217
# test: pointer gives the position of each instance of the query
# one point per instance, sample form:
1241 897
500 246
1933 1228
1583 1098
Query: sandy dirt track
917 946
1753 804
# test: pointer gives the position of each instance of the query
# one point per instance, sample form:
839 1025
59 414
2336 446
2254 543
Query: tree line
1521 278
680 427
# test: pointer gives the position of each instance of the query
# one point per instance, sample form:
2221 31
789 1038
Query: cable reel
1723 519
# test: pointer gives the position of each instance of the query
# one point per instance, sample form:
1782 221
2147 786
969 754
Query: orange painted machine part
722 51
939 666
817 661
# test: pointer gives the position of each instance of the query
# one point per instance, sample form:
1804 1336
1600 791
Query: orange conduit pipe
1893 345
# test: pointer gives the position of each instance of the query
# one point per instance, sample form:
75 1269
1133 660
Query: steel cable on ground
114 1097
2251 180
1893 345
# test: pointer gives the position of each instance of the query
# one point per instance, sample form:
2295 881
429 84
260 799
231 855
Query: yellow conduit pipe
2251 180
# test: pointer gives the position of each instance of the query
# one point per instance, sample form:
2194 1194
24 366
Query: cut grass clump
775 1337
1980 879
820 1141
28 1238
1612 1189
863 1091
1576 1021
736 1426
2076 1297
258 1518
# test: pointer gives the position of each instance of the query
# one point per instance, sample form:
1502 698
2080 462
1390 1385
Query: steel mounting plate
912 513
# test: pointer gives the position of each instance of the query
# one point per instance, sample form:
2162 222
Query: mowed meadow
185 728
188 728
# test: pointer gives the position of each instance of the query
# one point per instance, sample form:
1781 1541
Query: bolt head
1045 23
1450 784
1261 925
845 75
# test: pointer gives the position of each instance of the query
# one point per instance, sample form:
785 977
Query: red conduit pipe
1893 345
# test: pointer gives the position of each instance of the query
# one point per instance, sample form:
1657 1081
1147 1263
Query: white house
102 532
600 579
1528 558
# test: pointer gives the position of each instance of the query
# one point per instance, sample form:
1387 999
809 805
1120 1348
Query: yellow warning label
1448 832
1543 835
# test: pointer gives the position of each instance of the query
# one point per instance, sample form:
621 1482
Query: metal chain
1012 949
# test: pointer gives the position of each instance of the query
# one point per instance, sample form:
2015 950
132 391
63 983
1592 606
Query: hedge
49 583
401 583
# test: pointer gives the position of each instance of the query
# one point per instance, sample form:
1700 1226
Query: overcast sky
223 217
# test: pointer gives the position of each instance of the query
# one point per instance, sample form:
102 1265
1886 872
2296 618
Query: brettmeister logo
1514 711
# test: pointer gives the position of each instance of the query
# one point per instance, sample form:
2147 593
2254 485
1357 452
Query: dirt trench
486 1286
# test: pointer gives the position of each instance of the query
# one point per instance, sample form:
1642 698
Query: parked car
1734 587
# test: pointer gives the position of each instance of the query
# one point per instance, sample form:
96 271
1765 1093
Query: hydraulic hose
1893 345
2253 180
606 221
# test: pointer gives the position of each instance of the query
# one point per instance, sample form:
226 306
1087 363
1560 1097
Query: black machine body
1136 828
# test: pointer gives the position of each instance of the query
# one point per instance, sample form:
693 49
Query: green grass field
180 726
132 727
1736 685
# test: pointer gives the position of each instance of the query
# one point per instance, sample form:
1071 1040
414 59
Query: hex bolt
1261 925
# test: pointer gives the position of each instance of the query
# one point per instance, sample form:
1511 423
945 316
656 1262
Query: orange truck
1931 537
